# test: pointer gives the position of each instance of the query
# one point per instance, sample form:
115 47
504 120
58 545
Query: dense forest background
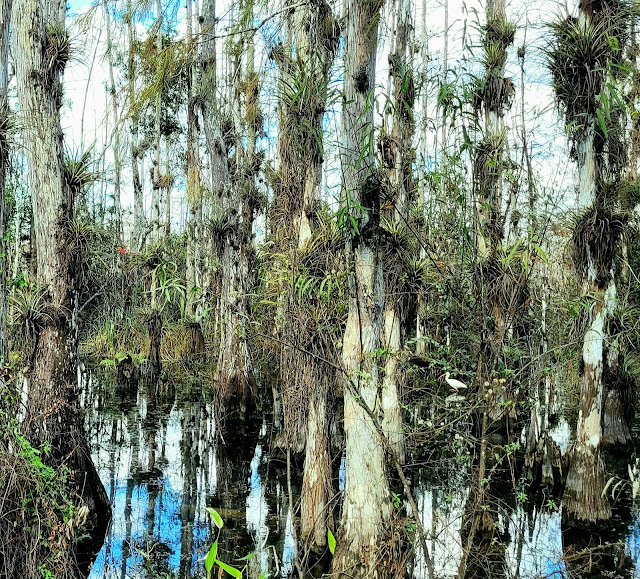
396 240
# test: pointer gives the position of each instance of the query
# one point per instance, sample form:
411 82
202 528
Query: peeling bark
194 180
238 203
586 477
316 481
5 18
366 508
53 415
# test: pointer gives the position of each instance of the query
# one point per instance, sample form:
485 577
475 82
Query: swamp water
162 464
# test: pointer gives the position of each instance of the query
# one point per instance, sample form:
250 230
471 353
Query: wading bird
455 384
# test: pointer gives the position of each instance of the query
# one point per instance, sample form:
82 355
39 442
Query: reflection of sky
441 517
257 509
124 449
289 549
161 518
632 543
538 535
162 498
541 537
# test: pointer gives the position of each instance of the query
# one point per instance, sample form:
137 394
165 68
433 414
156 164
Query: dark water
162 463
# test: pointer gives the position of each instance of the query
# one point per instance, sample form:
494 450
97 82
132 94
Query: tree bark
117 160
234 372
586 477
399 156
53 414
314 32
366 509
138 203
156 181
194 185
5 18
583 498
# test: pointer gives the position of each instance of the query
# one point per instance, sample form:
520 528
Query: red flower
122 250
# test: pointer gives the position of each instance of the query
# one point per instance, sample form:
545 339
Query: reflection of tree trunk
483 550
53 414
191 430
595 554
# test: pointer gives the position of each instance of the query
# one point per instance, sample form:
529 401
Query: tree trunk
399 156
156 180
116 128
316 481
366 508
234 371
5 18
53 414
314 31
138 203
586 477
194 185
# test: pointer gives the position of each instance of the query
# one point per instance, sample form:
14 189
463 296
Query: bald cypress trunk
194 180
586 477
53 416
156 176
314 32
117 160
399 155
135 154
366 508
236 204
597 234
5 18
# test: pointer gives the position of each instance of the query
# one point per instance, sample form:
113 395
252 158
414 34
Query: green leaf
603 124
354 224
332 541
247 557
211 558
541 253
229 569
217 519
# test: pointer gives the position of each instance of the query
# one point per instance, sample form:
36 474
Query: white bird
455 384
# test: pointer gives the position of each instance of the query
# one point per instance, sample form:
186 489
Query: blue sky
75 6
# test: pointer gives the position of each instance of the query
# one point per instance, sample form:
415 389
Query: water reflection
161 464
